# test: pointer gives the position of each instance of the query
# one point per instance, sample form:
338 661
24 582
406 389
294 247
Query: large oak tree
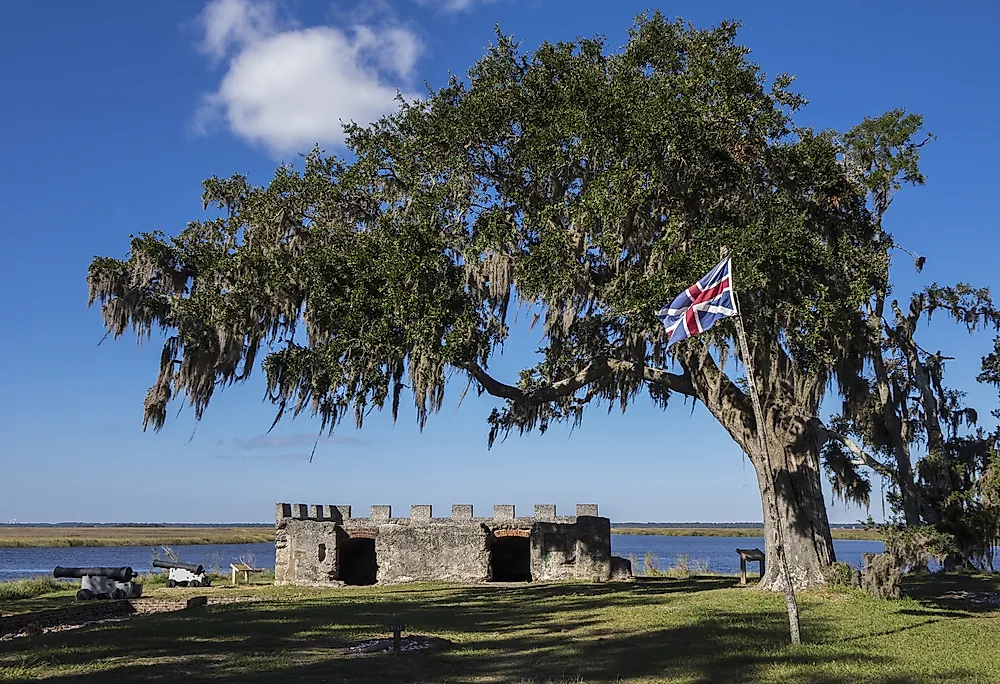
586 187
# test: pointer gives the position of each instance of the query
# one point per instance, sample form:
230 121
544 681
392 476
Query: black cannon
114 583
123 574
183 574
196 568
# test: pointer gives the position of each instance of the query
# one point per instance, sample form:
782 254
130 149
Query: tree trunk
893 403
908 492
802 514
794 439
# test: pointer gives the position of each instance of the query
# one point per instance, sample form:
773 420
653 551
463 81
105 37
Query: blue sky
116 111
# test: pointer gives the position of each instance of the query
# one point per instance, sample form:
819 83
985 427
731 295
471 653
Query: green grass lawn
702 629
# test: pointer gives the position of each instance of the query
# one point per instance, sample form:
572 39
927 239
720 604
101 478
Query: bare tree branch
864 458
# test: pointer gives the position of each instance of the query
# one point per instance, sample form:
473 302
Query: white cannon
183 574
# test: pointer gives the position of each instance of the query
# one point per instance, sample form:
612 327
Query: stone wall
312 557
445 552
323 545
580 551
79 614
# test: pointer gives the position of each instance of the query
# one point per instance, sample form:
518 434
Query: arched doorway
357 564
510 559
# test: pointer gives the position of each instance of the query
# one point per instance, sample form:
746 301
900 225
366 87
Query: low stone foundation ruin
86 613
325 546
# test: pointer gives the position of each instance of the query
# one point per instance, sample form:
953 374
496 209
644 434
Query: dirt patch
988 598
34 630
414 643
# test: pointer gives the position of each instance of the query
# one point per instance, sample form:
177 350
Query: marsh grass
35 537
683 566
29 588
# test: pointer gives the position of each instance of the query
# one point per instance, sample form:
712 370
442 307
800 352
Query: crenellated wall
324 545
422 513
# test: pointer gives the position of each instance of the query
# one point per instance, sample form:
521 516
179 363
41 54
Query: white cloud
448 5
234 23
290 88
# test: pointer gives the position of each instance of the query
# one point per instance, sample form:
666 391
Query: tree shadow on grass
535 633
896 630
955 594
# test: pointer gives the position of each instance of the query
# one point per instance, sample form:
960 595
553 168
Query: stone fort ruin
325 546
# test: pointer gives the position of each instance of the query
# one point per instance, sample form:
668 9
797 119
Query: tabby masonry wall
311 540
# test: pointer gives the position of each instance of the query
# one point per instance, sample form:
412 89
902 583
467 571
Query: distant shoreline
838 533
62 536
53 536
690 525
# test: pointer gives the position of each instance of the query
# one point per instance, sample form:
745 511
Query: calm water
16 563
718 552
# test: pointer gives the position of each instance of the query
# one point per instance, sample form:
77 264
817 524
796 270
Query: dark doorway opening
510 559
356 561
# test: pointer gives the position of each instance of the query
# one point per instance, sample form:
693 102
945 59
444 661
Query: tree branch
595 370
864 458
678 383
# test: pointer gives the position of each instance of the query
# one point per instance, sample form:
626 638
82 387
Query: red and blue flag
698 308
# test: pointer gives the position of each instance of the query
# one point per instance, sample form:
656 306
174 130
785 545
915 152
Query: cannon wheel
84 595
117 595
194 583
171 584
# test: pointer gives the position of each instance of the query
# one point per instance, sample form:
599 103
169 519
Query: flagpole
770 483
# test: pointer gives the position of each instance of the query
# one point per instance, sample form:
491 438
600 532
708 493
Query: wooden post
743 569
790 604
397 627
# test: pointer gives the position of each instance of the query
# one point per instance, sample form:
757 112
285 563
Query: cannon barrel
196 568
123 574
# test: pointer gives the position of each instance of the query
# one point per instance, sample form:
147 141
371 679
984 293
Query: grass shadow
958 594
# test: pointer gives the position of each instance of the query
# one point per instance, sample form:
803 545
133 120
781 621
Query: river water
719 553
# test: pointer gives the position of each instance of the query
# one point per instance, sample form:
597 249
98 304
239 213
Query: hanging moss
843 575
880 576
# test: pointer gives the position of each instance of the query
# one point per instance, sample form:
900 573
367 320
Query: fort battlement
324 545
421 513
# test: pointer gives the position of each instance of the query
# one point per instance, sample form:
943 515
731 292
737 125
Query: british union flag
698 308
